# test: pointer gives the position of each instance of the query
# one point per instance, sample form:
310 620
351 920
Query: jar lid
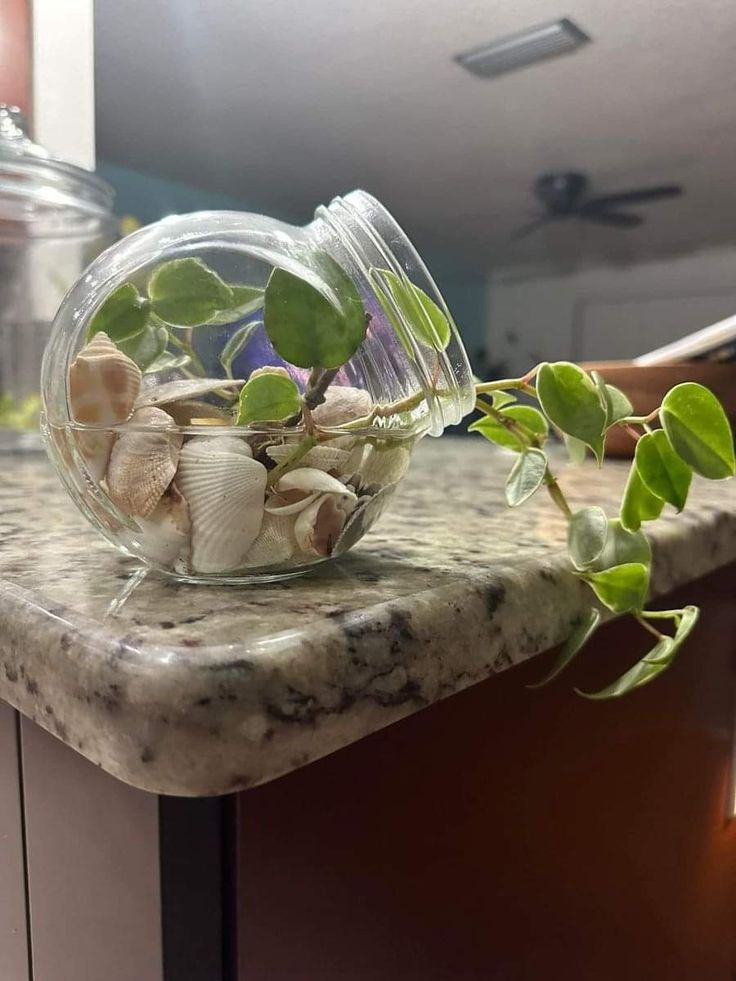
41 195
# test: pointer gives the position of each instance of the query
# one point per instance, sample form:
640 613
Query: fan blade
616 219
642 196
526 230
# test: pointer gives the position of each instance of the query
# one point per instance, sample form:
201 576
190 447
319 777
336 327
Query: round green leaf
663 472
314 325
246 300
699 430
235 345
571 401
622 588
147 347
268 398
495 431
638 504
621 547
615 404
122 315
186 292
575 450
581 633
586 536
420 314
527 475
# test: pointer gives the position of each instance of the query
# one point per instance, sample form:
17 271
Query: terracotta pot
647 385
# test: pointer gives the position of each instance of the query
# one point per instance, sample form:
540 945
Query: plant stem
319 379
647 626
555 492
300 450
185 346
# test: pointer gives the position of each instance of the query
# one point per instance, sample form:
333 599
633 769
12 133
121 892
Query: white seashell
275 543
384 465
184 389
164 535
269 369
342 404
298 488
195 413
103 386
143 464
362 518
224 488
319 526
322 457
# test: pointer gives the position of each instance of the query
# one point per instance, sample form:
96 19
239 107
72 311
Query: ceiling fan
563 196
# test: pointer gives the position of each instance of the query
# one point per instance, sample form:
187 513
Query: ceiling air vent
519 50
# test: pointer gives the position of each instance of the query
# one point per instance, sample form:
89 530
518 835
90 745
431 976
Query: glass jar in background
54 219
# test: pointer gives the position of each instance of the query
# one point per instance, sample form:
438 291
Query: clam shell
184 389
342 404
103 386
299 488
322 457
143 464
362 518
318 527
224 488
190 412
384 465
165 534
275 543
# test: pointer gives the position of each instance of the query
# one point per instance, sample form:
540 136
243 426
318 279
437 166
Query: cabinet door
13 926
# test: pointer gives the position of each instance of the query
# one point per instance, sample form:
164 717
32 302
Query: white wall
606 312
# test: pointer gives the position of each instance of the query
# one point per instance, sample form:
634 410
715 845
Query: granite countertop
198 690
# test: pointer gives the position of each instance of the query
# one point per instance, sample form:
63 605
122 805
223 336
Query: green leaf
418 313
581 634
586 536
699 430
526 477
656 661
615 404
575 450
663 472
122 315
496 432
186 292
147 347
622 547
638 504
247 299
501 399
622 588
168 362
235 344
570 401
268 398
318 325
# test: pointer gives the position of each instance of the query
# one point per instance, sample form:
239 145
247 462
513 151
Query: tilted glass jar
54 219
231 503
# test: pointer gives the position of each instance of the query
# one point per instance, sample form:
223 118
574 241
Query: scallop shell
319 526
362 518
384 465
299 488
224 487
165 534
143 464
275 543
191 412
103 386
184 389
322 457
342 404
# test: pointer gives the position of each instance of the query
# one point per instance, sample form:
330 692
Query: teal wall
149 198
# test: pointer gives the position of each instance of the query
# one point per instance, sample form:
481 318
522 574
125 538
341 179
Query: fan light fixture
519 50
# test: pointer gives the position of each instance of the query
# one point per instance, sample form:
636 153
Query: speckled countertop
200 690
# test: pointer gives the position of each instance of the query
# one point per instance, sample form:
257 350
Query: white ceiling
289 102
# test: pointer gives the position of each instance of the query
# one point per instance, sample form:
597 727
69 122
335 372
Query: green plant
318 322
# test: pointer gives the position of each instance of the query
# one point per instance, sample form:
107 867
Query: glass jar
146 422
54 219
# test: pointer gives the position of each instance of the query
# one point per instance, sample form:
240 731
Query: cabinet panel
13 929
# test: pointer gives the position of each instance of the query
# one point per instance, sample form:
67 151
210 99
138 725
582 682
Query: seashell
184 389
103 386
385 465
143 464
362 518
275 542
298 488
190 412
319 526
342 404
224 488
164 535
269 369
321 457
